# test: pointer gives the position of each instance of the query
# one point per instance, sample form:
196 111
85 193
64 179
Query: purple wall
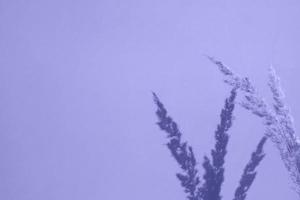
77 120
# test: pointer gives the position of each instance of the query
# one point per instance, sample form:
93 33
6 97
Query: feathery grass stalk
278 120
214 172
182 153
249 173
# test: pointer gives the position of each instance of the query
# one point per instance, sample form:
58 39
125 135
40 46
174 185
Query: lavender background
77 118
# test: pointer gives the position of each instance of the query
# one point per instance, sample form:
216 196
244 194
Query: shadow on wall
214 168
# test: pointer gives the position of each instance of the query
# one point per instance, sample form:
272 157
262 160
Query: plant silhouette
213 177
